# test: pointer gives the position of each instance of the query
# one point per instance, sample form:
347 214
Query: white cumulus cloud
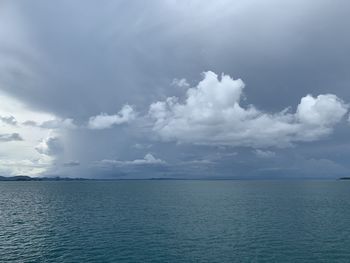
149 159
324 110
264 154
182 83
104 121
212 114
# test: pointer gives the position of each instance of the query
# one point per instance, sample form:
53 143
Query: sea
175 221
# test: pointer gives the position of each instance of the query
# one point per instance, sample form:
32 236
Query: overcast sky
167 88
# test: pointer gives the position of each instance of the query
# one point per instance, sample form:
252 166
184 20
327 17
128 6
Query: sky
242 89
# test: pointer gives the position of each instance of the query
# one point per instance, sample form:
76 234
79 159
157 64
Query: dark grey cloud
30 123
58 124
9 137
71 164
107 57
10 120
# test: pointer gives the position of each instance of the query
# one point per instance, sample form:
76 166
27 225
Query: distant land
57 178
28 178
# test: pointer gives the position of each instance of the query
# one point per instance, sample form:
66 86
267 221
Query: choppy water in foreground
175 221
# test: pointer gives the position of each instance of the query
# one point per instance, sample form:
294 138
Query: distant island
28 178
57 178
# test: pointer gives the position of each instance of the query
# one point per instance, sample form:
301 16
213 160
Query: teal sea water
175 221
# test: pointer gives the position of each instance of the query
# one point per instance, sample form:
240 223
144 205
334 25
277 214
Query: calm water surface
175 221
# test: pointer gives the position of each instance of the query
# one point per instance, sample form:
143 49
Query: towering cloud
213 114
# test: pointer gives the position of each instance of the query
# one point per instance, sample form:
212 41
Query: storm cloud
90 80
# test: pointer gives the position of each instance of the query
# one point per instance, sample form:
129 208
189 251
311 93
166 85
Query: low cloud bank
149 159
